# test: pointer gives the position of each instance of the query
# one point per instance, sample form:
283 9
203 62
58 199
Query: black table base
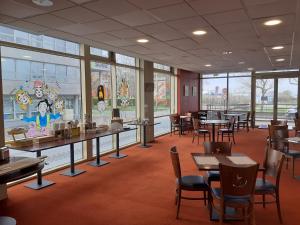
37 186
145 146
117 156
5 220
99 163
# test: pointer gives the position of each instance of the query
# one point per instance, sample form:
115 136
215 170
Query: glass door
287 99
264 101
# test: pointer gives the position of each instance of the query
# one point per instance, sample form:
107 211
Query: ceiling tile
279 7
6 19
111 8
280 39
126 33
188 24
204 7
48 20
184 44
285 51
102 37
227 17
78 14
236 28
146 4
140 49
58 5
29 27
135 18
18 10
80 1
173 12
161 31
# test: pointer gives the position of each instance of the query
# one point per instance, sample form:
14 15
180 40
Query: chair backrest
174 118
248 116
219 116
277 134
297 124
231 123
189 116
238 181
196 124
273 163
217 147
278 122
176 163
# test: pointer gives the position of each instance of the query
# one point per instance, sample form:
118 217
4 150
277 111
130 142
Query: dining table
181 122
213 123
211 162
236 115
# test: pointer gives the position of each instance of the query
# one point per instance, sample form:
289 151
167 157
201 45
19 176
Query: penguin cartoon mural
101 98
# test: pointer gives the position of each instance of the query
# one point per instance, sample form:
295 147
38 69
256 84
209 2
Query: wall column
2 132
147 96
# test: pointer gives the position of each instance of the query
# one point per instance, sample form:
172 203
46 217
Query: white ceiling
231 25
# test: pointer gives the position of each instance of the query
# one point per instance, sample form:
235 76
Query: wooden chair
216 148
198 131
236 191
186 183
272 167
279 122
297 127
188 122
278 134
244 123
175 123
202 114
229 131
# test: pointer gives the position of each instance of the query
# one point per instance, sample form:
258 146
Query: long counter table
38 148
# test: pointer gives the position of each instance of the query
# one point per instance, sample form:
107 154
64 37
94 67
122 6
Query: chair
186 183
229 131
272 167
198 131
245 122
236 191
188 122
297 127
175 123
216 148
278 134
279 122
202 114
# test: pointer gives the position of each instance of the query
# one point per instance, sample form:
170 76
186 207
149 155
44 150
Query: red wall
187 103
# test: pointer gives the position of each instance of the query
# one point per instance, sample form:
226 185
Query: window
161 67
239 93
125 60
99 52
214 94
27 82
162 94
41 41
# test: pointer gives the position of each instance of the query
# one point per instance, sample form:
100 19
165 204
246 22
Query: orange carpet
139 190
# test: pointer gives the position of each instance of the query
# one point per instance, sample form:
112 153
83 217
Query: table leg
117 155
41 183
181 126
213 132
72 172
98 162
144 143
5 220
238 125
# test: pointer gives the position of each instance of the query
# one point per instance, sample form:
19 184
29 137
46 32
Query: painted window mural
40 89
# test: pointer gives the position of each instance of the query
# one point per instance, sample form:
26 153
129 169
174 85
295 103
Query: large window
162 94
239 93
40 41
40 90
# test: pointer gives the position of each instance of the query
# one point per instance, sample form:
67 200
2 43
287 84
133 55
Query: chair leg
278 207
221 215
178 203
193 138
233 138
222 136
264 200
293 166
204 195
176 197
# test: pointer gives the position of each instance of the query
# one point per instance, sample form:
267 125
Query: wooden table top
208 162
67 141
295 140
234 114
17 163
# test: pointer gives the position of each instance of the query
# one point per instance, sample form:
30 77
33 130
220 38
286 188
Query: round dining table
213 123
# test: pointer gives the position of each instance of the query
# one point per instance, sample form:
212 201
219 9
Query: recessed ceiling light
272 22
44 3
27 56
277 47
143 40
199 32
227 52
208 65
280 60
250 68
241 63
